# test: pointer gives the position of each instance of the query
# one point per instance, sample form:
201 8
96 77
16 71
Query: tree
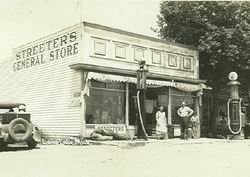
221 32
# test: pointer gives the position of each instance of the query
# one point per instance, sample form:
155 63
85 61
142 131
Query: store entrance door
205 121
155 97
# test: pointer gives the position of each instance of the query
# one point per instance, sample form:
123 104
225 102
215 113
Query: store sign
75 101
48 51
114 128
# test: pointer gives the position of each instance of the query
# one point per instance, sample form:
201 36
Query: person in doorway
185 112
195 124
161 123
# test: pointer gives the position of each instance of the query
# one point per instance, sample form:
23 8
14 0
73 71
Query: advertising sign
54 49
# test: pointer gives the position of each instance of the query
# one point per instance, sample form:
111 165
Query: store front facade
84 77
112 103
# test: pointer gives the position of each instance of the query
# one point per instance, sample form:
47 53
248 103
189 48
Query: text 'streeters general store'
57 48
84 77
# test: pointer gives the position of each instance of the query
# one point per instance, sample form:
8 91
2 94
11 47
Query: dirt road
170 158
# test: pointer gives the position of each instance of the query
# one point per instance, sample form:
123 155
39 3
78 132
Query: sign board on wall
119 128
53 49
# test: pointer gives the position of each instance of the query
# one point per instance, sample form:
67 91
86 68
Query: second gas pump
234 114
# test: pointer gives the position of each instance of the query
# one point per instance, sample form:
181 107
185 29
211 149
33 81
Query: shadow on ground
15 148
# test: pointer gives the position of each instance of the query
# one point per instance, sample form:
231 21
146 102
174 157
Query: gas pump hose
229 126
228 122
139 108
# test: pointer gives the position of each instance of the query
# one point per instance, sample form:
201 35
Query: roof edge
116 30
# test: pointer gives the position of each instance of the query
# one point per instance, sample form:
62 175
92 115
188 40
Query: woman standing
161 124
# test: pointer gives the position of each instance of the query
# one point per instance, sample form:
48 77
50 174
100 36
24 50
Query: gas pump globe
141 76
234 107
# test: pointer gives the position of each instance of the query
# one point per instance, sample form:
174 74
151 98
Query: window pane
98 84
115 85
120 51
108 85
105 107
172 60
139 54
186 62
156 57
175 91
100 47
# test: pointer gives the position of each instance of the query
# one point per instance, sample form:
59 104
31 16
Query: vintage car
16 126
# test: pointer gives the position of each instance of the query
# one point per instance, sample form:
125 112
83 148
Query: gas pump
234 107
141 96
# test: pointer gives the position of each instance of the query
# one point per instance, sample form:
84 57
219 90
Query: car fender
5 128
36 134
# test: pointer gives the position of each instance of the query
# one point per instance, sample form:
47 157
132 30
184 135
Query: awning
109 77
151 83
132 73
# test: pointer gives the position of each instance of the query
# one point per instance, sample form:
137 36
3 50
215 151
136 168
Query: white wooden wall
47 89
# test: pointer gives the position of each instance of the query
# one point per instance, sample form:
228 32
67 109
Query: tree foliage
220 30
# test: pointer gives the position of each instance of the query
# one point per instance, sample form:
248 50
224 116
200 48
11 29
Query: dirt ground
170 158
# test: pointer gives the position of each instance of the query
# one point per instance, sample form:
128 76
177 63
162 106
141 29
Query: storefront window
133 111
177 97
106 103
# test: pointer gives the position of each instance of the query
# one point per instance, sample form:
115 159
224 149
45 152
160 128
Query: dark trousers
185 123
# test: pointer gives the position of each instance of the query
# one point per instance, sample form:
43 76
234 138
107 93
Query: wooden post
197 110
127 105
169 106
83 105
82 115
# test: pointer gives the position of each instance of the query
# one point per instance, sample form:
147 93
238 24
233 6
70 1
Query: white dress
161 122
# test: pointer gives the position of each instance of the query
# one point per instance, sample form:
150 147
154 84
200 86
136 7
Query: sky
22 21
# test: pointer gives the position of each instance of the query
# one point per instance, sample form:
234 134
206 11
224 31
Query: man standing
184 112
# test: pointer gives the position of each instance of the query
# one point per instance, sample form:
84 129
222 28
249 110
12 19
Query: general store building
84 77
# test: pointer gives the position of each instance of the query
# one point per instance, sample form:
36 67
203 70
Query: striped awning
109 77
151 83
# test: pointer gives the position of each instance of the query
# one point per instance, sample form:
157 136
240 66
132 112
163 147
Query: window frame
123 103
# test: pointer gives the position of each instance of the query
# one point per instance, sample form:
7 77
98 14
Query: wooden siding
47 89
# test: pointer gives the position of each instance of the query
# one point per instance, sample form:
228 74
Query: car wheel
32 144
27 126
3 145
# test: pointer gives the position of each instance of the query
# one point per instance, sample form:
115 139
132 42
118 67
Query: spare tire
27 132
